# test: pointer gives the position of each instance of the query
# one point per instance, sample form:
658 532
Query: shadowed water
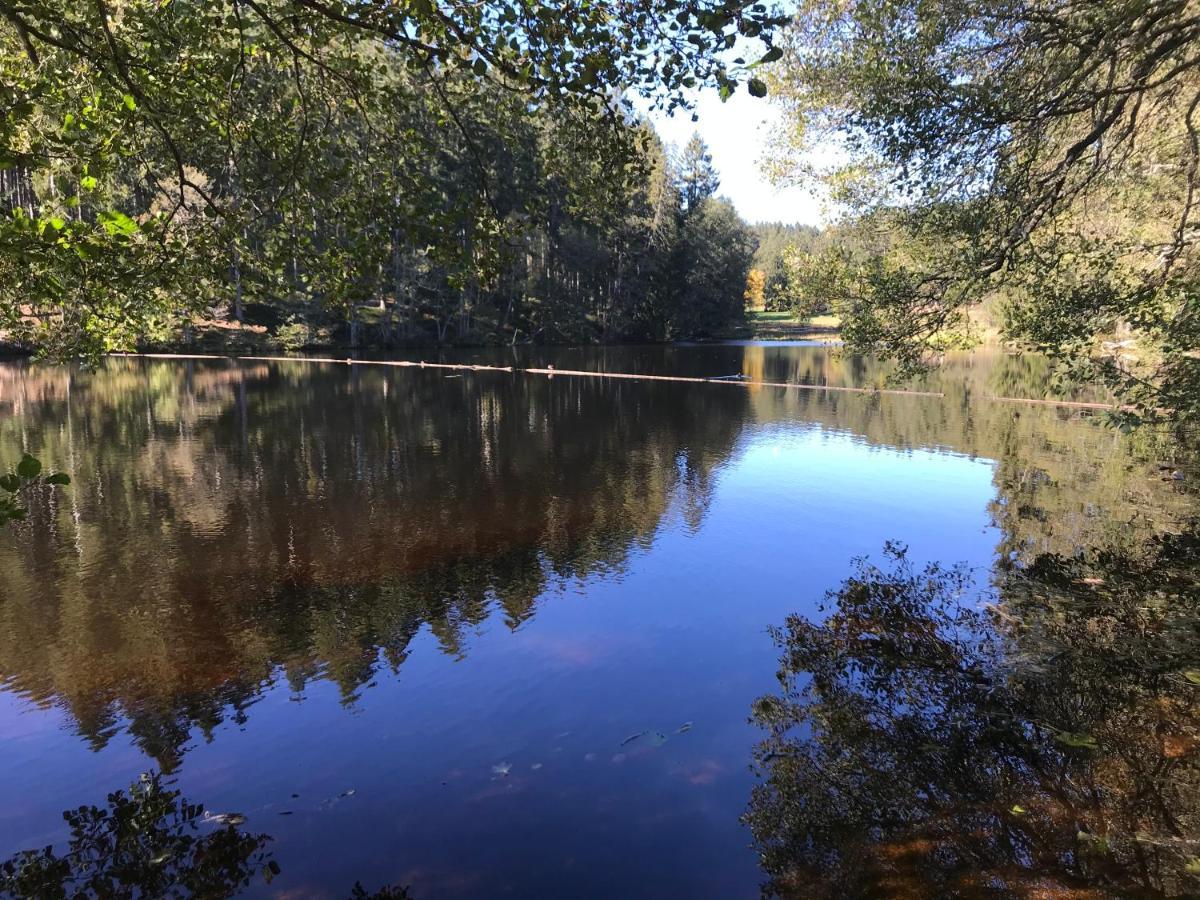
487 634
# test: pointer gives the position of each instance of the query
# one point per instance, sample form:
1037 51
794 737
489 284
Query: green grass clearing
786 318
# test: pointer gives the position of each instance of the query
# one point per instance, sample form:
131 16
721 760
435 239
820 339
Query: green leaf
58 478
1192 676
129 102
88 182
772 55
29 467
10 483
758 88
117 223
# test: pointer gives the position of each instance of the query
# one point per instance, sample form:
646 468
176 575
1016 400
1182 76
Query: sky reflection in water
480 635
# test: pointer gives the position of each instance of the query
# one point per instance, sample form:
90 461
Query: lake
494 634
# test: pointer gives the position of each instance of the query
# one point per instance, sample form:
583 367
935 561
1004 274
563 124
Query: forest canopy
466 169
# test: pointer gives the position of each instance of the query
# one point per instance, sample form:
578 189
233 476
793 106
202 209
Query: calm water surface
485 634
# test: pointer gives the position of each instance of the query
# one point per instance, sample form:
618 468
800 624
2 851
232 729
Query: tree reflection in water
147 842
150 842
1038 738
292 523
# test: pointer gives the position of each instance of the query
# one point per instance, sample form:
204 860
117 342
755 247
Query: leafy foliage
25 477
1043 154
715 253
150 842
755 293
162 163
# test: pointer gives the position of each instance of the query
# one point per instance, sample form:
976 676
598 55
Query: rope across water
584 373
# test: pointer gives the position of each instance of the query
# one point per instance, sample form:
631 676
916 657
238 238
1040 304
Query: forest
305 174
349 172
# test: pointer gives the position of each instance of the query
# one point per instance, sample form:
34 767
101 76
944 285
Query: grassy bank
785 326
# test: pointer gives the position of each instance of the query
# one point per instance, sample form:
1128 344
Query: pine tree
697 178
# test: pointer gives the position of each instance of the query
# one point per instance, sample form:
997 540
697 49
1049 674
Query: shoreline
235 342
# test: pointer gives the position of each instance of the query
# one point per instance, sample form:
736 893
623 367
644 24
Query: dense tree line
354 170
467 170
775 241
798 264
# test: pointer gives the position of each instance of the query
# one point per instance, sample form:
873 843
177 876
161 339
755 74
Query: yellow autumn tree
756 284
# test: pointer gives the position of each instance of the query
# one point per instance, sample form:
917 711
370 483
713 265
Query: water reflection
233 524
462 572
1041 742
150 841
